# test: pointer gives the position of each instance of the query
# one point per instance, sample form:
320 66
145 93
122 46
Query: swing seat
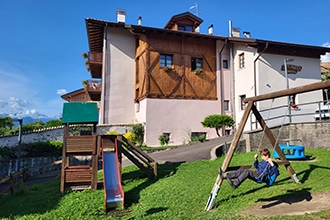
270 180
291 151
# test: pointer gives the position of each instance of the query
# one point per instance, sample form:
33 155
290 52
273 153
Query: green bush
130 136
138 131
164 139
43 149
198 138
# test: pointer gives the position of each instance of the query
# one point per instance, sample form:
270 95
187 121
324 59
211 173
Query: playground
176 190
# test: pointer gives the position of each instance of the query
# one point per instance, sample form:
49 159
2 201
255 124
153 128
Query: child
263 170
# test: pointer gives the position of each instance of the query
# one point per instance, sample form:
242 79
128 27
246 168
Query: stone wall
54 134
312 134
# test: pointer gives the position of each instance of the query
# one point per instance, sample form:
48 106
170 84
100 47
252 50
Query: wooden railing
15 180
138 157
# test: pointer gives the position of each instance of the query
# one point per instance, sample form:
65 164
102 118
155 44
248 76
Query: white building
130 59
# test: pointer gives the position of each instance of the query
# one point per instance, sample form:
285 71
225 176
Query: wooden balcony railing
94 89
95 60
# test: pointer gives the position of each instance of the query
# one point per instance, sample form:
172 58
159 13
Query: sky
41 41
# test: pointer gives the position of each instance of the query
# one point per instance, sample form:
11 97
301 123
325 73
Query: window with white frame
243 105
241 61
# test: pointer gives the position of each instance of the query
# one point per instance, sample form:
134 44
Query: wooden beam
237 136
292 91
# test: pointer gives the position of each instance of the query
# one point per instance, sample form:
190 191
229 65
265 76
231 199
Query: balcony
95 60
94 89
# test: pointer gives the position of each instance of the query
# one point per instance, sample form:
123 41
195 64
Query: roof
325 67
73 93
95 32
187 15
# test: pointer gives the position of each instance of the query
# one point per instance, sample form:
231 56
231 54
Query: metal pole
287 86
19 144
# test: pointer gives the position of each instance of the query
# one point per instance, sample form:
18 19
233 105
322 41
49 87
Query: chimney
121 16
140 21
211 29
246 34
236 32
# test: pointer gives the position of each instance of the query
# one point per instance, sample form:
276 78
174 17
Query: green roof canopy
80 112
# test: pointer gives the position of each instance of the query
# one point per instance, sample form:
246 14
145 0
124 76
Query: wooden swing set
251 107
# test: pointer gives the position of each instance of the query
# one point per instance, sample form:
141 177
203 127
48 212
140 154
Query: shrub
112 133
164 139
138 131
198 138
130 136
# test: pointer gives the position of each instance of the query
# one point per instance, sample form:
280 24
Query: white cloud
326 57
61 91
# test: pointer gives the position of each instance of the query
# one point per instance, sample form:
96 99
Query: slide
113 191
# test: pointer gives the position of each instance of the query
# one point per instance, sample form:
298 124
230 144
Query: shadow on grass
305 173
163 171
290 197
36 199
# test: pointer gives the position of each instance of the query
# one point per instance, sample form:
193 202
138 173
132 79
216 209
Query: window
187 28
225 64
196 63
241 61
242 97
166 60
226 105
198 136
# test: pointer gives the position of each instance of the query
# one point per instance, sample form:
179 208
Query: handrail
19 177
132 152
292 91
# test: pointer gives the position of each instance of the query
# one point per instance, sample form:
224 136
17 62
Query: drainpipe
255 72
221 81
104 68
221 72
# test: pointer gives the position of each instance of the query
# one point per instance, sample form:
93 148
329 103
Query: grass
180 192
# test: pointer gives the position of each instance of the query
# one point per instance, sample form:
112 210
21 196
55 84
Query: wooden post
94 163
229 156
64 158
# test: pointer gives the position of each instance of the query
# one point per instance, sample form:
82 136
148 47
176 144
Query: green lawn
180 192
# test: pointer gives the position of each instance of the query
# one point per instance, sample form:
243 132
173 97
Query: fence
14 181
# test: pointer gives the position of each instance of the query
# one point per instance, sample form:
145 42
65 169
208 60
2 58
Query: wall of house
270 78
119 78
243 79
223 79
181 82
177 117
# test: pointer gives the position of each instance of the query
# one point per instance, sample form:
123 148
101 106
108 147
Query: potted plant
198 71
84 55
167 69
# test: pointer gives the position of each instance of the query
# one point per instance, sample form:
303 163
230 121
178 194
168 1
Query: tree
53 123
6 122
218 121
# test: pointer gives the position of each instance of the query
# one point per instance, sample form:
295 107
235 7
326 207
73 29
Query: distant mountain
30 119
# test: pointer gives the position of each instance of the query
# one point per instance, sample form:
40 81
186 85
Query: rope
263 132
279 132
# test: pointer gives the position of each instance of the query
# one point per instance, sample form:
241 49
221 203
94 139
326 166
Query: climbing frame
77 177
